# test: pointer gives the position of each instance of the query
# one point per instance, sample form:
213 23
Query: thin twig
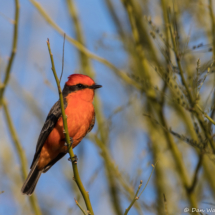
13 51
70 150
134 199
76 202
7 18
64 36
148 178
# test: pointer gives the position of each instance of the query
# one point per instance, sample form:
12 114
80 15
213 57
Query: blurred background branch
21 155
155 60
13 51
11 128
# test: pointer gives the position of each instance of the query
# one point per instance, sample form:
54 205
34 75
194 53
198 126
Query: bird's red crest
79 79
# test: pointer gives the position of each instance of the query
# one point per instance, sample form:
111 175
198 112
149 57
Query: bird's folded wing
51 120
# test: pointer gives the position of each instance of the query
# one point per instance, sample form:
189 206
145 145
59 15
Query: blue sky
31 71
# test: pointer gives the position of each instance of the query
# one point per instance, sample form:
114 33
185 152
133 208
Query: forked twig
64 37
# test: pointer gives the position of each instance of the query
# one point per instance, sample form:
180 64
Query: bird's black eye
80 85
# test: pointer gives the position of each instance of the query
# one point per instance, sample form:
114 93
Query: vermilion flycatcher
78 96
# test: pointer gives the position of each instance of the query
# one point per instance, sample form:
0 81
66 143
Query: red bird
78 96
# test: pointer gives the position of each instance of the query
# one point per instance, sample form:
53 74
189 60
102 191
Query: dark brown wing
51 120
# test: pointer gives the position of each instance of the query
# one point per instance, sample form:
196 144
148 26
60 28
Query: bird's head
81 86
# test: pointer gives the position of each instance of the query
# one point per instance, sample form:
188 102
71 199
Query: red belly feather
79 117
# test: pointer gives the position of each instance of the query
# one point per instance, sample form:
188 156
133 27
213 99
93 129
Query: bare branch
64 36
70 150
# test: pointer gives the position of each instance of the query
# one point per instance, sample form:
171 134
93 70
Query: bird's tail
31 181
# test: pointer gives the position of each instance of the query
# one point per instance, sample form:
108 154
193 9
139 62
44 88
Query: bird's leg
74 159
71 142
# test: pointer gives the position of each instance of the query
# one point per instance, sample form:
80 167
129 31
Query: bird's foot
71 142
74 159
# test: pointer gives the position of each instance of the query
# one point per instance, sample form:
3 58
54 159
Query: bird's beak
95 86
